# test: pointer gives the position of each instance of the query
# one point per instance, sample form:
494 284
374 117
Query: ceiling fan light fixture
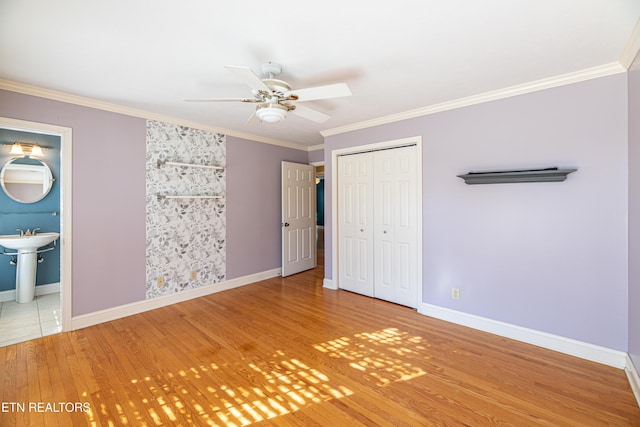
271 113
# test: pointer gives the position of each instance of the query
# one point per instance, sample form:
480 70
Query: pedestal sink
27 254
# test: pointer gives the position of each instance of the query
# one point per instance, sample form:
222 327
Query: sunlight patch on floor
273 387
282 385
385 356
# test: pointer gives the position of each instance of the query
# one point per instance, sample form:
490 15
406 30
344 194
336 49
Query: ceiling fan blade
221 100
321 92
310 114
250 78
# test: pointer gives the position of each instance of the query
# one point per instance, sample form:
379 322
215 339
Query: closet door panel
396 226
355 228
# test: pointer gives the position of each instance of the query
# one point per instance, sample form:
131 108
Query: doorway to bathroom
21 212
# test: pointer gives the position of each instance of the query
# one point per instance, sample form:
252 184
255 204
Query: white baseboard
85 320
634 379
583 350
50 288
328 283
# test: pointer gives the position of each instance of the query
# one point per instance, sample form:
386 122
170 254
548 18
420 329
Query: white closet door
355 222
395 218
298 218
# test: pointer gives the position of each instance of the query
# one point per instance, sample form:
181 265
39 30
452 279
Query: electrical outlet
160 281
455 293
193 275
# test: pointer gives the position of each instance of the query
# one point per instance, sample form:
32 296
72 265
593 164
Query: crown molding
114 108
535 86
315 147
626 59
631 49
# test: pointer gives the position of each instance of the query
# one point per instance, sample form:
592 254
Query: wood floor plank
287 352
8 357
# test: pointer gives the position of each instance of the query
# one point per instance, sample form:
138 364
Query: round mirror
26 180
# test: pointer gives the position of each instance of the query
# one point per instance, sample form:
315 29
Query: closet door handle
286 224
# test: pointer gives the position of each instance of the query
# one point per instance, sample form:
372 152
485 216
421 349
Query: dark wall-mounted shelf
530 175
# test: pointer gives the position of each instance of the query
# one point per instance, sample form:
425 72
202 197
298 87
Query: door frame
65 181
384 145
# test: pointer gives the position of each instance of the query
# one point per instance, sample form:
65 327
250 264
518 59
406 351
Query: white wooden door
355 223
396 233
298 218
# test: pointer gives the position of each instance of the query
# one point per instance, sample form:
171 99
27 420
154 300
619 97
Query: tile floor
35 319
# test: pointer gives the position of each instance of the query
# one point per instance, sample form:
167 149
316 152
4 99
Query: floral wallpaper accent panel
184 235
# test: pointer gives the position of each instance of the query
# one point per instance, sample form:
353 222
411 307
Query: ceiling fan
275 98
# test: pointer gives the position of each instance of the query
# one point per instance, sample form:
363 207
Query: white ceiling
395 56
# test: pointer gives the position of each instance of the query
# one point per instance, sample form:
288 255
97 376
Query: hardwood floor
286 352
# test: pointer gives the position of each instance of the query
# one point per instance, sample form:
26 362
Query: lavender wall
546 256
253 205
634 212
315 156
108 198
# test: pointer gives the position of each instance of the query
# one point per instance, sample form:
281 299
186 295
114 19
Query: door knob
286 224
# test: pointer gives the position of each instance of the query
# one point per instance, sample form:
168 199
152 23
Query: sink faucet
28 232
